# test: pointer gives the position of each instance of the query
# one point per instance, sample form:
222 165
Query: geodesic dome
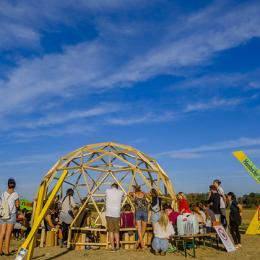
89 171
93 168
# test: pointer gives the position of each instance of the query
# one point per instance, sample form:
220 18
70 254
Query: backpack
4 208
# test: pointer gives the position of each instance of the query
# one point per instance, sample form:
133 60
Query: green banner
26 204
248 164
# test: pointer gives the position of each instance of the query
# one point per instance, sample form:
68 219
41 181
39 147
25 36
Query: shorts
11 220
155 217
113 224
141 215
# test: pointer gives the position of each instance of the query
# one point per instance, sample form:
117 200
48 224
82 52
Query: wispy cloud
174 114
63 117
196 152
212 104
30 159
93 66
248 80
199 37
151 117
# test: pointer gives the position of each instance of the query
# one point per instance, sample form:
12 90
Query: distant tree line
250 200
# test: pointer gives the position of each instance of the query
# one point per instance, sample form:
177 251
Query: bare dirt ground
250 250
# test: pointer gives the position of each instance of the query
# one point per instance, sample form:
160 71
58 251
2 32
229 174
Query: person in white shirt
7 224
113 206
66 214
163 230
221 192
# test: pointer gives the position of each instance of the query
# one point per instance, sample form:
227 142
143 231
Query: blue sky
179 80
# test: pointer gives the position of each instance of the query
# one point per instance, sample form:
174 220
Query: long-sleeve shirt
160 232
214 201
234 216
184 206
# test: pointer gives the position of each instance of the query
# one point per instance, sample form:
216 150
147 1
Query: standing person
156 205
11 199
183 203
141 213
234 219
66 214
214 201
163 230
217 184
113 206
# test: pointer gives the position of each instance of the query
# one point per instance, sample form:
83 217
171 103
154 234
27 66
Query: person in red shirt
183 203
172 215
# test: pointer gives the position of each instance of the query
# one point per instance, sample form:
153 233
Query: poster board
225 238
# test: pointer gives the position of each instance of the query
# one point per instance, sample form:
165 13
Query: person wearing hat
217 184
11 198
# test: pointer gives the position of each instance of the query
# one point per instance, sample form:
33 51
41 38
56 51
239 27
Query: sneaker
163 253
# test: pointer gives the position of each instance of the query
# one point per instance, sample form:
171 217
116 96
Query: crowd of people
163 217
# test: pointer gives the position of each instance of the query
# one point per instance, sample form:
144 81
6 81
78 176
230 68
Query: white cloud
64 117
196 152
200 36
99 66
212 104
168 115
151 117
248 80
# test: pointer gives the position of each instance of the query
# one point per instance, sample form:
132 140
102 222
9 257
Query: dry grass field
249 250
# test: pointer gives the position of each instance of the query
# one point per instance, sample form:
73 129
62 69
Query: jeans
234 230
223 217
160 244
65 231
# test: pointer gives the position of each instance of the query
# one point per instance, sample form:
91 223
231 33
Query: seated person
127 217
210 217
163 230
50 221
172 215
201 217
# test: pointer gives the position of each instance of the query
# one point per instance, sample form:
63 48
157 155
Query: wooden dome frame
91 169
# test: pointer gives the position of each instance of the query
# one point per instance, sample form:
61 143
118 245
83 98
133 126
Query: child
163 230
127 217
172 215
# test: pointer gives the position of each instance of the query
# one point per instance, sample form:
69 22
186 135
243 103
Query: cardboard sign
248 164
225 238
